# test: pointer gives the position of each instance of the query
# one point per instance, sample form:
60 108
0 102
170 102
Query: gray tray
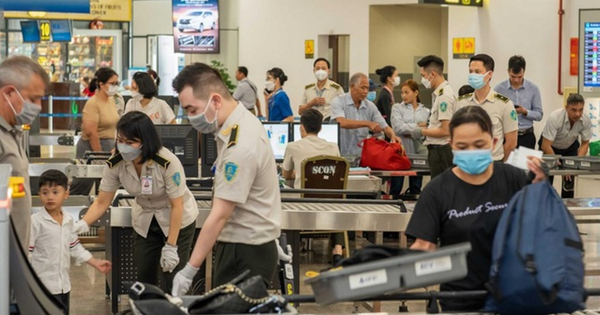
551 160
589 163
391 274
570 162
419 161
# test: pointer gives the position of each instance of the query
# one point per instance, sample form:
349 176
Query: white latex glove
183 280
287 258
169 259
80 227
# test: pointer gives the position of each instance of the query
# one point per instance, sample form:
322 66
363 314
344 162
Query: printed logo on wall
196 26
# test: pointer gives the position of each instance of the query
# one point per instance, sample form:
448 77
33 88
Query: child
52 243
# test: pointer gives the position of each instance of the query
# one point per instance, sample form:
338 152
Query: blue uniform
279 106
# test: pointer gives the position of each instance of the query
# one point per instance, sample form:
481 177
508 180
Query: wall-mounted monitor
61 30
196 26
30 31
279 136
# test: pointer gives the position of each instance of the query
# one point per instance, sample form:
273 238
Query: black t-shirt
452 211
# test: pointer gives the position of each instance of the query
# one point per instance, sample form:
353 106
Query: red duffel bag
382 155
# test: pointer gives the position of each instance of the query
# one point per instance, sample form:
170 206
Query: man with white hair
23 83
357 116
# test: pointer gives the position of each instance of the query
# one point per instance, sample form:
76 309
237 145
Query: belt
435 146
523 132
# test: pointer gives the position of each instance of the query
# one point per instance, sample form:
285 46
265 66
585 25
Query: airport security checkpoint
303 157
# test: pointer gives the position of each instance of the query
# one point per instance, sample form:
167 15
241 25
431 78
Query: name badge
146 185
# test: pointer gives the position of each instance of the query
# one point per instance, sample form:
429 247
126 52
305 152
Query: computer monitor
30 31
279 136
61 30
182 140
208 153
330 131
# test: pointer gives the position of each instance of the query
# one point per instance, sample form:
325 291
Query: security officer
245 217
526 97
164 213
437 134
23 83
319 95
562 132
499 107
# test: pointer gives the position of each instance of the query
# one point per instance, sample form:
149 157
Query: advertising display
196 26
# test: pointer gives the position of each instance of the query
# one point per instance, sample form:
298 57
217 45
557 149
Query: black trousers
64 299
231 259
568 186
440 159
147 252
526 140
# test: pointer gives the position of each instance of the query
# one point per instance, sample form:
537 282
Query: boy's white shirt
51 247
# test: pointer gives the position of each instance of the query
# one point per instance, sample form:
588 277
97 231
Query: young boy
52 243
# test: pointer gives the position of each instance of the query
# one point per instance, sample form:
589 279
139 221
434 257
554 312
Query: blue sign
61 6
61 30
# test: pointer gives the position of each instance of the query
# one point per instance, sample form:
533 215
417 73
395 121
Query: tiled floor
89 299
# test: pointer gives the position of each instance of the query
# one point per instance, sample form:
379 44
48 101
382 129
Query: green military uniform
329 91
151 212
246 174
502 112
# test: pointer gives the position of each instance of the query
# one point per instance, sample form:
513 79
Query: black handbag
237 297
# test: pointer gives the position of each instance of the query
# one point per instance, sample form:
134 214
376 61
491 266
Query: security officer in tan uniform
319 95
23 83
500 108
164 212
245 217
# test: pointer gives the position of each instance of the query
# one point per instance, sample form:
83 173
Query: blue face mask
477 81
371 96
473 162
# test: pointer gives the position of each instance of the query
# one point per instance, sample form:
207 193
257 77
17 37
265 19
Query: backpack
537 256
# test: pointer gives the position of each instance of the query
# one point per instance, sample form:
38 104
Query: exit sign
466 3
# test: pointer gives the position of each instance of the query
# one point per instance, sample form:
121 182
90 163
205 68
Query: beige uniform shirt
330 91
443 107
558 129
168 182
502 112
298 151
158 110
12 151
245 173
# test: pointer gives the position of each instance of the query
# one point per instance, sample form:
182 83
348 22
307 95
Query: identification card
146 185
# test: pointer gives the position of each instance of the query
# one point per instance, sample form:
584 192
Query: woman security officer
164 214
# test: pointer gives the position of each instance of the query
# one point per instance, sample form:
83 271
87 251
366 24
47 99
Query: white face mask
136 95
112 90
270 86
397 81
426 83
321 75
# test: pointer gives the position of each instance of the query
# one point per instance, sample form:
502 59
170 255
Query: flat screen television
30 31
182 140
61 30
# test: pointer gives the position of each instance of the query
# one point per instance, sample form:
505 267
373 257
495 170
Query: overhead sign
309 49
196 26
463 48
466 3
105 10
45 31
64 6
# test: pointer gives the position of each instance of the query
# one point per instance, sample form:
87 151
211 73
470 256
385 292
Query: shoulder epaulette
161 161
114 160
465 96
335 86
501 97
233 136
309 86
441 91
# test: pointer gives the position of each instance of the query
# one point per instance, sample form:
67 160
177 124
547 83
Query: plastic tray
570 162
551 160
419 160
391 274
588 163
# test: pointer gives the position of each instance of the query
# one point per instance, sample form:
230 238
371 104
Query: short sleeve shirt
443 107
330 91
104 114
452 211
279 106
168 182
246 174
558 129
502 112
246 93
298 151
344 107
158 110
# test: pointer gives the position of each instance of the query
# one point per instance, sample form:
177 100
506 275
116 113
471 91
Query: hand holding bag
382 155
